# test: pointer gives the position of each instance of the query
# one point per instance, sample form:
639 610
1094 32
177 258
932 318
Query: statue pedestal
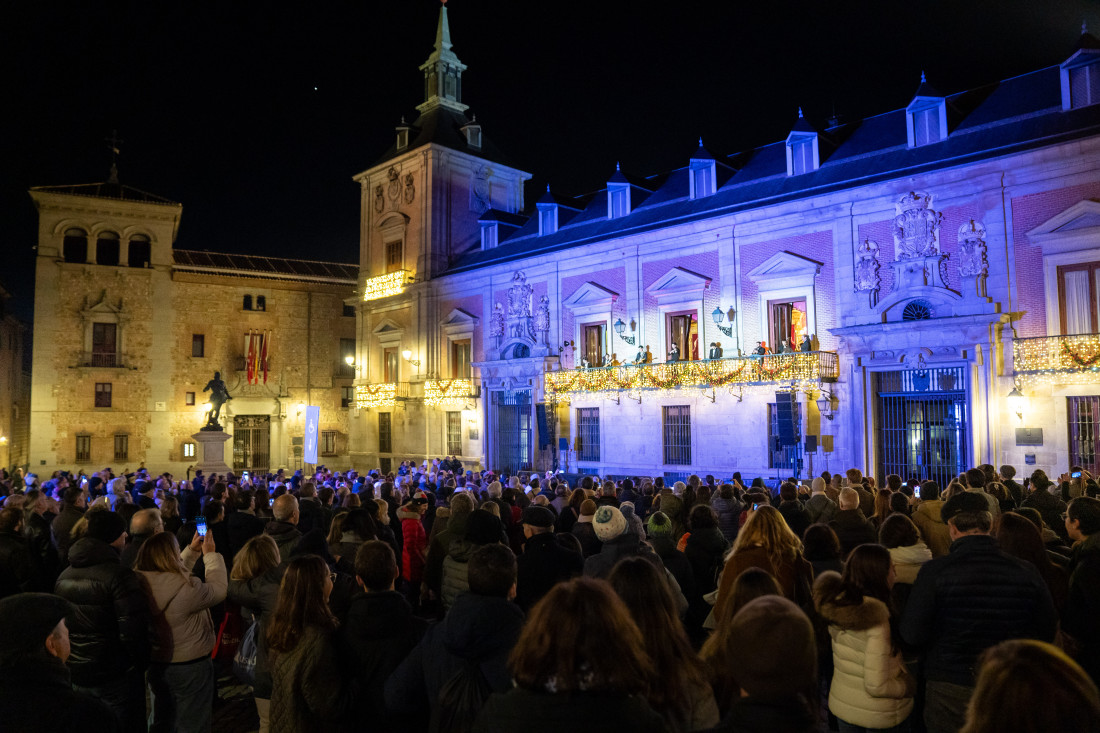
211 451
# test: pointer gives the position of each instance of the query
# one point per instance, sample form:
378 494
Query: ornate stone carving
496 321
972 262
916 227
519 297
410 188
867 267
379 199
480 198
394 189
542 317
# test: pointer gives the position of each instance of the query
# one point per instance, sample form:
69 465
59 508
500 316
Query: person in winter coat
610 527
182 673
591 673
462 504
475 637
143 525
728 508
545 562
673 507
39 538
927 517
36 692
796 515
73 506
109 634
414 545
482 528
659 531
379 633
633 521
871 688
820 507
18 570
355 528
254 586
284 527
706 548
308 692
582 529
1083 527
900 536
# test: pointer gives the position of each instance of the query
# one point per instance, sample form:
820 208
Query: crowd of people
437 599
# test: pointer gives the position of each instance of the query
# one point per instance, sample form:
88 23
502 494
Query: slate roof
279 268
107 190
1006 117
443 126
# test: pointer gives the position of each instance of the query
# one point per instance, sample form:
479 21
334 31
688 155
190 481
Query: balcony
380 396
240 364
343 370
103 360
1057 359
797 369
449 392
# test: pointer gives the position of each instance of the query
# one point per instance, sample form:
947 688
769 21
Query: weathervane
114 144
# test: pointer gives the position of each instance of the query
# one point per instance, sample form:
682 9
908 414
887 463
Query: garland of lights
800 368
372 396
1057 359
447 391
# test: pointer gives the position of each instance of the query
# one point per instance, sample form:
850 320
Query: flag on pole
263 358
251 365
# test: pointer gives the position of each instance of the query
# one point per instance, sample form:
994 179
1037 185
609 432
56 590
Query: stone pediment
459 317
591 296
785 269
677 284
1082 215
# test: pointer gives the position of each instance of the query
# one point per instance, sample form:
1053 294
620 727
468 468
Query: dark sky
255 116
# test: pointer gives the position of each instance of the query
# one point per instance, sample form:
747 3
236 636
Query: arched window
107 249
247 303
917 310
75 245
140 251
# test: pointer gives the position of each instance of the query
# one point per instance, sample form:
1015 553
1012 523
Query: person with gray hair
143 525
850 524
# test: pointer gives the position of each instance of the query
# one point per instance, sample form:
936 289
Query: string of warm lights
797 369
371 396
1057 359
447 391
383 286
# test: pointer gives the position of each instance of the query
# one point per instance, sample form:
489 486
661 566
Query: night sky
256 117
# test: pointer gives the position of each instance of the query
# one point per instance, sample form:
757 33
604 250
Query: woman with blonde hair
181 675
382 523
254 586
170 513
767 542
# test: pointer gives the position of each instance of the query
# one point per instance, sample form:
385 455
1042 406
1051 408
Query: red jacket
414 547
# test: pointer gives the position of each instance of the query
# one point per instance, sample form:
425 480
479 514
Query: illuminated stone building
128 331
936 258
15 388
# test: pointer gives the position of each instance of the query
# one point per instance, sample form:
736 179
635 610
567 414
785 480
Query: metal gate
1084 438
922 428
252 443
512 427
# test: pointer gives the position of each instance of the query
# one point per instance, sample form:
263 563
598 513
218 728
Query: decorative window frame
104 312
676 291
1063 243
393 228
614 191
548 218
784 277
591 305
920 104
801 138
1087 57
387 334
710 178
459 326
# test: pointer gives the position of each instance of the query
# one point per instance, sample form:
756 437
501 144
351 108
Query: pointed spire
442 71
114 145
443 30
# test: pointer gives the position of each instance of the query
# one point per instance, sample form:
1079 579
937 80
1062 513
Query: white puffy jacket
871 687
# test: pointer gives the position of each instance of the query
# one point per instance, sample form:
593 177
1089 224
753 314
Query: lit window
188 450
618 202
1078 292
189 398
454 433
593 343
460 359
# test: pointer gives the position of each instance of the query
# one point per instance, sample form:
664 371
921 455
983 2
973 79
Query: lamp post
620 327
1015 400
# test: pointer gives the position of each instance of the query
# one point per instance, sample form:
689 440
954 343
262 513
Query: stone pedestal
211 451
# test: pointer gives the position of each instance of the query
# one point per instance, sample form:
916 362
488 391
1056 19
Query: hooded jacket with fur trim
871 687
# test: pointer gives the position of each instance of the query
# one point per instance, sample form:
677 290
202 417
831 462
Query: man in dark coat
1082 610
143 525
73 506
39 538
796 515
36 692
284 527
243 524
850 524
146 492
310 515
479 631
110 630
544 562
379 633
967 601
1049 507
18 570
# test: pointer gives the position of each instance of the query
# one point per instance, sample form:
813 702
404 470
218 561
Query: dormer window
403 135
703 173
548 219
618 201
926 116
473 133
490 234
803 154
1081 74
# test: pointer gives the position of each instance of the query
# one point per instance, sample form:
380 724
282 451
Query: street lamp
1015 400
718 316
620 327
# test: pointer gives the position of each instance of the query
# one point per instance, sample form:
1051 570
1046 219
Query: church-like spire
442 71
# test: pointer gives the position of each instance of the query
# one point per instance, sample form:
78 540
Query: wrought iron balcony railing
103 360
800 368
1057 359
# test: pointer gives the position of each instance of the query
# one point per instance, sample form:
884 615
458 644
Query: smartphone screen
755 507
200 526
1075 474
916 491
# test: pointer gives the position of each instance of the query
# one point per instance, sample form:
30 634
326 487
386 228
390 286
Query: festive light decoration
799 369
1057 359
386 285
448 391
370 396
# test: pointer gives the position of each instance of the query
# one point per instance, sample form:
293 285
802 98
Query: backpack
461 698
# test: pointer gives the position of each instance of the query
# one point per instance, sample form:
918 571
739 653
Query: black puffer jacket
257 599
110 631
18 570
40 540
971 599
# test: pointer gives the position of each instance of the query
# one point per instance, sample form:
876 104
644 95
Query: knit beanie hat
105 525
482 528
609 523
817 485
588 508
27 619
775 657
627 508
967 501
659 525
